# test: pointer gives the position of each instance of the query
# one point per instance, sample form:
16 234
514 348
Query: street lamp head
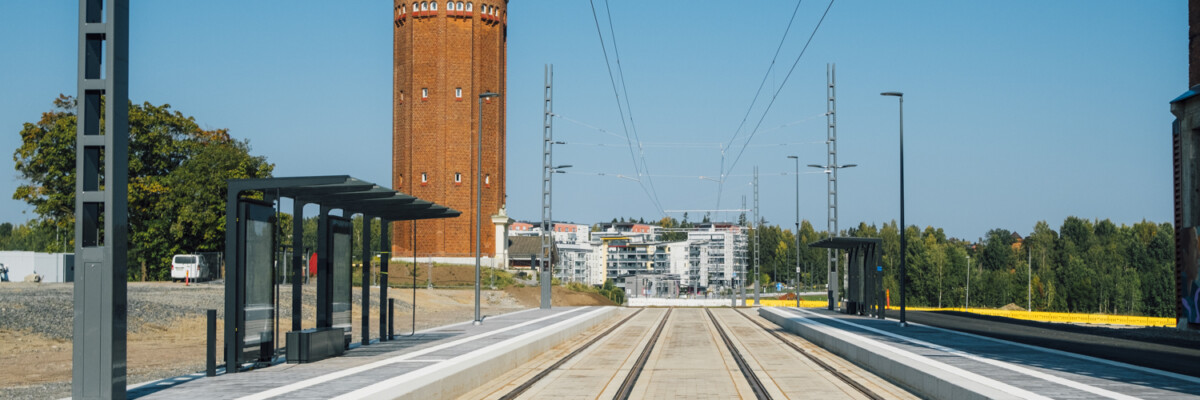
849 166
816 166
794 157
897 94
563 166
485 95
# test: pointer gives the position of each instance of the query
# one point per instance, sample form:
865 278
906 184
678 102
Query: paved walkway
1006 368
372 370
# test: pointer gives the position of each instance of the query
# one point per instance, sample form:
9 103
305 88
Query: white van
188 266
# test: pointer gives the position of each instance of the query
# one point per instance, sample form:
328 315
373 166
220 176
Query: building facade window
449 6
457 177
424 178
433 6
487 180
424 6
458 93
424 93
469 4
460 6
400 181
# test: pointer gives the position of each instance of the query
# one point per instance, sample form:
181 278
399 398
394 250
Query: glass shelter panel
342 301
260 310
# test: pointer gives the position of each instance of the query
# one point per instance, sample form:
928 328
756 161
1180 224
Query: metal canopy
352 195
844 243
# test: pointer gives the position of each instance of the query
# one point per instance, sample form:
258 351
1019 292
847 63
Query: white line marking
350 371
423 372
971 376
1011 367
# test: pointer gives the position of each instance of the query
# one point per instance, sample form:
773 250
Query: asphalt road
1159 348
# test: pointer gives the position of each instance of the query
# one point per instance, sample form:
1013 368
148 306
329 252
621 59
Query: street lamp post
797 229
903 242
479 197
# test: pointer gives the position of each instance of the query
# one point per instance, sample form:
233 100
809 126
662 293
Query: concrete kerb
477 368
918 374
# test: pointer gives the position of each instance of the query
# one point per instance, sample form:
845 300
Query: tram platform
437 363
941 363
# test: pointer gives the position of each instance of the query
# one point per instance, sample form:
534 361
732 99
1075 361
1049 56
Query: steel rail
828 368
626 388
760 390
528 384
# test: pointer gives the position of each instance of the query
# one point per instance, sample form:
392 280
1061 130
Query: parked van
188 266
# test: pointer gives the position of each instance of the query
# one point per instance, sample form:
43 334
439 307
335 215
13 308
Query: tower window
460 6
424 93
400 182
416 8
424 178
469 8
487 180
458 93
424 6
401 96
433 6
457 177
449 6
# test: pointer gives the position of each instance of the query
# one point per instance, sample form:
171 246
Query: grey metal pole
478 204
797 229
478 198
757 239
1029 281
903 242
967 303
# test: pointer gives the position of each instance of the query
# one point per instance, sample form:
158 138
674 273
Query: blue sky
1015 111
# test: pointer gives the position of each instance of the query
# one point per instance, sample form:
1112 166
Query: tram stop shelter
251 248
864 275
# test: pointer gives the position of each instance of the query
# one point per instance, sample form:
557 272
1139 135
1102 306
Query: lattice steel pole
757 239
547 181
101 197
831 224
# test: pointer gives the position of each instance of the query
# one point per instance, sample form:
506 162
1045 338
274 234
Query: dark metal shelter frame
338 192
864 295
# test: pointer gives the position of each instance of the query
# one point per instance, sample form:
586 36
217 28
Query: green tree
177 174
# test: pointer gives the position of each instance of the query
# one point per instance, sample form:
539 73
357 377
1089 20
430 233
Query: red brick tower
445 53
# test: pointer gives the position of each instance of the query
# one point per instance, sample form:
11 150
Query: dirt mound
1012 307
530 296
787 296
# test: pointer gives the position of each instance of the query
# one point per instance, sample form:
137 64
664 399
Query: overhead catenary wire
778 90
620 109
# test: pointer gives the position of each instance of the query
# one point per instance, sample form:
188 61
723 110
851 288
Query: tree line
177 174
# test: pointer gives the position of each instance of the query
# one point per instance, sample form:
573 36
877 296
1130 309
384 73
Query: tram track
824 365
534 380
626 388
760 390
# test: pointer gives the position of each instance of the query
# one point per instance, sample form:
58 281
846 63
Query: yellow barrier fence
1041 316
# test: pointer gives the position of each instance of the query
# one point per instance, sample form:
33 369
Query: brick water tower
445 54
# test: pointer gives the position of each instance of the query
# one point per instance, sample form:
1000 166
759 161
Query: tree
177 174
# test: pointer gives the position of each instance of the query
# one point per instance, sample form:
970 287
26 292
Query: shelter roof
351 195
845 242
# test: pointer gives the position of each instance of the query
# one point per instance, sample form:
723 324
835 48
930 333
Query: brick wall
442 51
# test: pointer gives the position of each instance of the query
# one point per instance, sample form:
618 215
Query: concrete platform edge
470 374
921 380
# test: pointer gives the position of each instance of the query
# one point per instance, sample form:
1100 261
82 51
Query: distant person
3 273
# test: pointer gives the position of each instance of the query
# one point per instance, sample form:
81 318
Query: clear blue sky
1015 111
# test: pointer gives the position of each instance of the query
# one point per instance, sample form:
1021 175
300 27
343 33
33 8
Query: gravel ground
47 311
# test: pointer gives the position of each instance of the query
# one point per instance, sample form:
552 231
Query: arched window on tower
460 6
424 178
469 6
457 177
458 93
424 93
449 6
424 6
416 7
433 6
